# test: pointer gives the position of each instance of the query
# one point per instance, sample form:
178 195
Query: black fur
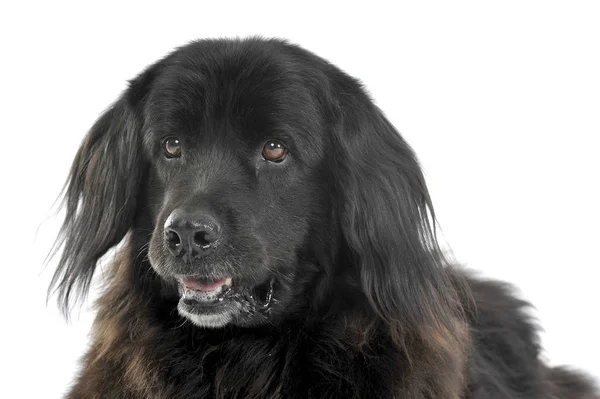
364 304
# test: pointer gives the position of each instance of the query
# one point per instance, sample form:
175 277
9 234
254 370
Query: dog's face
257 183
235 186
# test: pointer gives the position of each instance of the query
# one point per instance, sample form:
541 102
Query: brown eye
274 151
172 147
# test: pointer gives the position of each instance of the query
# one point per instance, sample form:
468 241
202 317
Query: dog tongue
205 285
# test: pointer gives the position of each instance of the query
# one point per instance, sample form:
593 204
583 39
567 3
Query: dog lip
264 301
203 284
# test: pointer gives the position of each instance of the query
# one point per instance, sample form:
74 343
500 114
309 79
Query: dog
276 240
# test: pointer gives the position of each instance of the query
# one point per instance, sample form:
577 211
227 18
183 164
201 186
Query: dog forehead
241 95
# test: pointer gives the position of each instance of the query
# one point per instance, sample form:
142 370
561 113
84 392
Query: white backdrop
501 103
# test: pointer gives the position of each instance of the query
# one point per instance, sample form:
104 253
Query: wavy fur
365 303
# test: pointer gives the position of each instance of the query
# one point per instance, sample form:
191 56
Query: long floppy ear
387 221
100 198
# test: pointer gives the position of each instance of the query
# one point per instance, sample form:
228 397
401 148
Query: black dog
278 243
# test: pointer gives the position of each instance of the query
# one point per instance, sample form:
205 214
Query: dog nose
191 232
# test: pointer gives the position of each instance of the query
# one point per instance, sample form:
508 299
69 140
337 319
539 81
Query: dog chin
217 320
211 303
209 309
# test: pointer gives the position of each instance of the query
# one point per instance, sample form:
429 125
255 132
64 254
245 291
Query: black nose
192 232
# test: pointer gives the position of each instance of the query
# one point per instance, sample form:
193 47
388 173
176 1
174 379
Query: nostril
203 239
172 238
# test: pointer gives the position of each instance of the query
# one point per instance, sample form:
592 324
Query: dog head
258 182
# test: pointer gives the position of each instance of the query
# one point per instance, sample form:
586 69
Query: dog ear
388 224
100 194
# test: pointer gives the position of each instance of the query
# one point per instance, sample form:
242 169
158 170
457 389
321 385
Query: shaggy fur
339 288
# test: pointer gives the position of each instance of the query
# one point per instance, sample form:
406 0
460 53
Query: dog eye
274 151
172 147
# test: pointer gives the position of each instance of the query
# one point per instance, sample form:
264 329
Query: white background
501 103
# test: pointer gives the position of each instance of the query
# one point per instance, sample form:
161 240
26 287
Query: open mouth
200 295
205 289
